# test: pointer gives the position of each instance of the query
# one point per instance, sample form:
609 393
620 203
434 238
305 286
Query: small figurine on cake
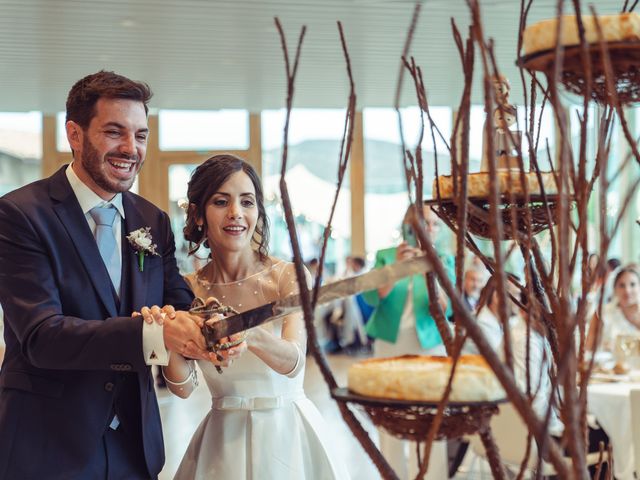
505 140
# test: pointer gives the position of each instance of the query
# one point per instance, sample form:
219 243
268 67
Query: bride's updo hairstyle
207 180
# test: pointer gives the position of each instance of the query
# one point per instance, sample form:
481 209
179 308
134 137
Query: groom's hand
182 334
156 314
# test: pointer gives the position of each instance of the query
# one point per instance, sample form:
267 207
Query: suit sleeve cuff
153 347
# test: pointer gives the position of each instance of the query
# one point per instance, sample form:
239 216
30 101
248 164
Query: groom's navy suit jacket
73 353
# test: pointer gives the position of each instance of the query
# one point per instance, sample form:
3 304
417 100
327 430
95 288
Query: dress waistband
254 403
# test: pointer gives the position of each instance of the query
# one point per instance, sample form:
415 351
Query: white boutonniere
142 243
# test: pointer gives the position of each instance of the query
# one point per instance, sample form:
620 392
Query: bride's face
231 214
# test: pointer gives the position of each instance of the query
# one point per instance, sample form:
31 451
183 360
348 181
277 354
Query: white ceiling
205 54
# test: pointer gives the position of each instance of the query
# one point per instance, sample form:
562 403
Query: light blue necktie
106 240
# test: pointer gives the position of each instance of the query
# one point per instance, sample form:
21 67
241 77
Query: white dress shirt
153 346
492 329
539 365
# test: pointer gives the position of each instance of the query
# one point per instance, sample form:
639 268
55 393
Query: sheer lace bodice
250 376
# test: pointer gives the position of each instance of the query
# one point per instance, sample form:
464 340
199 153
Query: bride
261 425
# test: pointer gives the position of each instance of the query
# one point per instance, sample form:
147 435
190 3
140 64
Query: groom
76 393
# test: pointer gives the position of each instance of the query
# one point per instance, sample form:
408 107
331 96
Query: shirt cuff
153 347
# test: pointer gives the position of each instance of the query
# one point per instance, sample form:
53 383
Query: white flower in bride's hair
183 203
142 243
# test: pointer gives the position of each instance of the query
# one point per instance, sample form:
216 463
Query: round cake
541 36
424 378
509 182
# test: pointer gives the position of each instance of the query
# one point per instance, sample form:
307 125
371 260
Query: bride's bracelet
191 377
299 362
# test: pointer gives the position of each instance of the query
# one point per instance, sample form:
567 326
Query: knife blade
327 293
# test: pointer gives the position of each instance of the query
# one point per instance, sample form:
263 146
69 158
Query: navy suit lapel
138 281
68 210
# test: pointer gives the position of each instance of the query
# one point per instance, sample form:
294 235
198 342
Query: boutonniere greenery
142 243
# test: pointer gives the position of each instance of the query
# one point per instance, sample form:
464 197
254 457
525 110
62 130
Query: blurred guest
401 324
488 319
358 264
613 264
474 280
312 266
345 323
534 378
538 372
621 315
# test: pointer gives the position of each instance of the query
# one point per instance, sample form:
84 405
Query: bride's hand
155 313
225 358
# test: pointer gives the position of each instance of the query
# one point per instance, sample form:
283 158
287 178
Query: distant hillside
383 167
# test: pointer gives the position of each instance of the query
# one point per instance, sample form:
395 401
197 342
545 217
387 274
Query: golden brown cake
424 378
509 181
541 36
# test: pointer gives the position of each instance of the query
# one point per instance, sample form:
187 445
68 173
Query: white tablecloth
610 403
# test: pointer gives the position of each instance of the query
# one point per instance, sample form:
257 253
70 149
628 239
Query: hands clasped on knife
182 332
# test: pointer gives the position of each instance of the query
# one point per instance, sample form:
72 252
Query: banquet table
610 403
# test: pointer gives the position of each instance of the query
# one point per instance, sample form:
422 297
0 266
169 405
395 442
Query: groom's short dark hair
86 92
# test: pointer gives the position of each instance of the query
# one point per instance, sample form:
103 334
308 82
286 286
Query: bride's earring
200 228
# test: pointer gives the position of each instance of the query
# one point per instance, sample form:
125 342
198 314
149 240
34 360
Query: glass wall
386 198
20 149
203 130
312 171
179 176
62 145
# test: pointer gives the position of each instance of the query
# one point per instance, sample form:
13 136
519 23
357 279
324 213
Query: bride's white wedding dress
261 424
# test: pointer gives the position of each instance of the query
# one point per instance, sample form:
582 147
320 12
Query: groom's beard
97 166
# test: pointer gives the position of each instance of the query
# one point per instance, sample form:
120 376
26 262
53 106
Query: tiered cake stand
412 420
543 214
625 70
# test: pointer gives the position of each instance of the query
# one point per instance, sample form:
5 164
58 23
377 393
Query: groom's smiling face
111 150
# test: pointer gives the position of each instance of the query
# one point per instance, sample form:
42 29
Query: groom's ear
74 135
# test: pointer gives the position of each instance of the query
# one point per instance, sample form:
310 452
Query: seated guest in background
613 264
474 280
313 265
343 318
488 319
537 375
622 314
540 364
366 310
401 324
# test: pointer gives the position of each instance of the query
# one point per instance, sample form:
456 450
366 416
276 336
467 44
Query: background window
179 176
62 144
20 149
314 145
386 197
204 130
